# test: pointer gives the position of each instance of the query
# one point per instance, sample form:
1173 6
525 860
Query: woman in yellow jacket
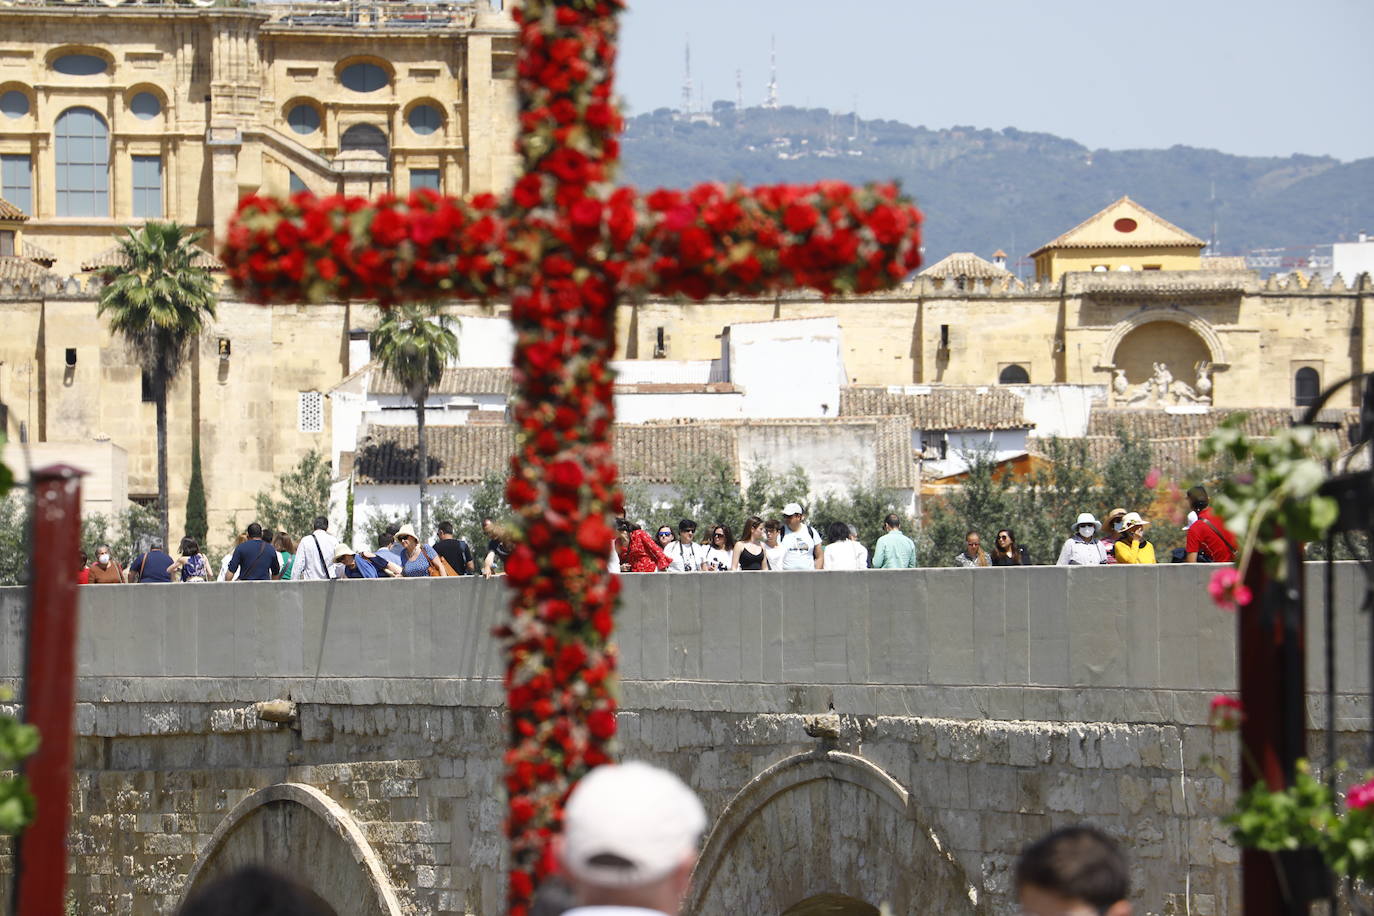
1131 546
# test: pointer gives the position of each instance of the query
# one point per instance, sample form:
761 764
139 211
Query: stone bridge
976 710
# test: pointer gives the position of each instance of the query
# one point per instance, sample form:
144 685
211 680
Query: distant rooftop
417 15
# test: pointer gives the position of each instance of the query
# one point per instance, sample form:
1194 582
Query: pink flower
1226 715
1227 590
1152 479
1361 796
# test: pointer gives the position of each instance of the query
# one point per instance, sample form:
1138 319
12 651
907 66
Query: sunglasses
718 534
665 534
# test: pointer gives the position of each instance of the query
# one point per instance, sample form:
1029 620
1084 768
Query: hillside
983 189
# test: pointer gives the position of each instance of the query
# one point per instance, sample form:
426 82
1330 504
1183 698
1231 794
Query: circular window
1125 224
304 119
425 119
80 65
14 104
364 77
145 106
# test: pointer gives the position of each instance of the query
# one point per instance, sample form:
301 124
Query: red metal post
50 686
1273 733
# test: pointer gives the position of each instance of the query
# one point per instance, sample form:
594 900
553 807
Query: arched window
83 164
1307 387
425 119
364 136
1014 375
364 77
145 106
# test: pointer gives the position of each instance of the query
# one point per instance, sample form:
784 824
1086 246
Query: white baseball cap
791 509
630 824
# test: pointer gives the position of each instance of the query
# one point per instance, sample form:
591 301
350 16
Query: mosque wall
972 711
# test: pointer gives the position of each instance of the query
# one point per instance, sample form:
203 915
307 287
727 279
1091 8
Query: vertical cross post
49 693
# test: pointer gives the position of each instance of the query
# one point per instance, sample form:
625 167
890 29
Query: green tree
300 495
158 301
197 521
864 505
413 344
707 493
127 532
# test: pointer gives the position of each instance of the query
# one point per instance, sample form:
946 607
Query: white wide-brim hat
343 550
1086 518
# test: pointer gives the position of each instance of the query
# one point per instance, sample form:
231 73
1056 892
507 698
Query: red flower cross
564 246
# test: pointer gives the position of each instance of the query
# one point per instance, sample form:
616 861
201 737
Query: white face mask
1118 525
104 558
1085 531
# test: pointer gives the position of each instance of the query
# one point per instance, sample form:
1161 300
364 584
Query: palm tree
413 344
159 300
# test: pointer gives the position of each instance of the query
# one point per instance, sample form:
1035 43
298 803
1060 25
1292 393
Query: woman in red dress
638 552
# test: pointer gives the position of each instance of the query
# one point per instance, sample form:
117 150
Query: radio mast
687 80
771 101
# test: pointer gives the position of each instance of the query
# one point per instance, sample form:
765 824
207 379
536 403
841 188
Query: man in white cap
804 549
630 840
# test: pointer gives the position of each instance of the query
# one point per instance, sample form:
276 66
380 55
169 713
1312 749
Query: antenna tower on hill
771 101
739 89
687 80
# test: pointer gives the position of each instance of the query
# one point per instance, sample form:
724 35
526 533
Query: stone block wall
976 710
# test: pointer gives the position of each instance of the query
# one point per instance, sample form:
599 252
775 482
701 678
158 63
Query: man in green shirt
894 550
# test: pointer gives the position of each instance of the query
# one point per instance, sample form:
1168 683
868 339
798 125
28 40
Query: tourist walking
973 555
1006 552
637 551
254 560
749 554
418 559
153 566
802 547
1131 546
313 553
1208 540
842 552
190 564
105 571
455 550
894 549
685 553
286 553
773 550
1084 548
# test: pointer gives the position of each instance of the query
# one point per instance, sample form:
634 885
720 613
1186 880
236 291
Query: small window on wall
80 65
1307 387
6 243
310 412
425 119
145 387
424 178
148 187
16 181
364 77
1014 375
14 104
303 118
145 106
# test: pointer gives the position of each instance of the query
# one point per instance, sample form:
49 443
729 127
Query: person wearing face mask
104 571
1113 527
1084 548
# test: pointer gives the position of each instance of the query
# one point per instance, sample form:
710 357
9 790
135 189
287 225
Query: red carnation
388 227
586 213
520 566
601 723
521 885
564 559
594 535
800 218
565 475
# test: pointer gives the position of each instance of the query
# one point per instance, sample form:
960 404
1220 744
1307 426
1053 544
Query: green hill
983 189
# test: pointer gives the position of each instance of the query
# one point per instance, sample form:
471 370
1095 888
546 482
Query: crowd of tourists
789 543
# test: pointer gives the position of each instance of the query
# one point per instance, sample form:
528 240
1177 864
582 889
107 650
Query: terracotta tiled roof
941 407
37 253
896 461
1161 424
9 211
114 257
1152 231
23 269
965 264
651 452
454 381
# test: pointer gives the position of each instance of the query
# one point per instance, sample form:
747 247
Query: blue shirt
152 566
257 559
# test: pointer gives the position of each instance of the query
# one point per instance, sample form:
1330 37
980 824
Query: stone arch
300 831
826 832
1193 322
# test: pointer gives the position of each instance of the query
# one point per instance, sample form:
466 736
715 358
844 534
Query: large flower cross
563 247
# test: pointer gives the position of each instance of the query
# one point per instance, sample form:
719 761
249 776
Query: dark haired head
625 525
445 527
389 533
892 521
751 524
321 523
283 542
189 547
686 525
254 891
1197 498
772 525
255 530
1079 863
836 532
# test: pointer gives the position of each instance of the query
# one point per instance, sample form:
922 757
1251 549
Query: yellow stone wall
1051 265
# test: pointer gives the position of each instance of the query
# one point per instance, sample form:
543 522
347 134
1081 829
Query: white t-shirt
846 555
686 557
720 557
775 555
798 547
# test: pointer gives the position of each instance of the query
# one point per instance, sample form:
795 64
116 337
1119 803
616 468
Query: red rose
388 228
520 492
586 213
570 659
594 534
521 810
520 566
521 885
799 218
565 475
601 723
564 559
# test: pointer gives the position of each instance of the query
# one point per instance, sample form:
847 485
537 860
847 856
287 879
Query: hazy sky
1255 77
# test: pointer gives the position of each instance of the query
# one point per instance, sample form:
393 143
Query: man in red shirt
1209 541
